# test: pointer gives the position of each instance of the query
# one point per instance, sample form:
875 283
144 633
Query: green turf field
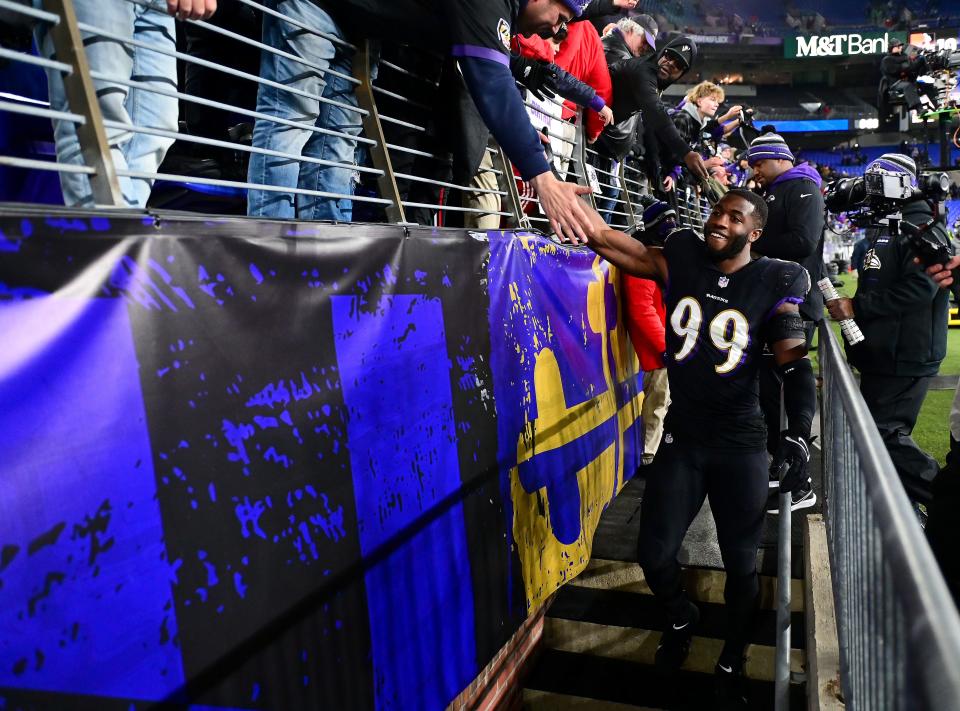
932 431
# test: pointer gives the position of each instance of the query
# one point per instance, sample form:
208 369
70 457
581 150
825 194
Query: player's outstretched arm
788 342
624 251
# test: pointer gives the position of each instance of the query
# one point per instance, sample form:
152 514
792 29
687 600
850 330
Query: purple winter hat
768 146
577 6
895 163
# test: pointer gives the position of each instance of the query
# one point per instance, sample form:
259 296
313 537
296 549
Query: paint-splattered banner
253 465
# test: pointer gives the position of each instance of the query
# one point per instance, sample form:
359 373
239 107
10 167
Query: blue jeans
309 113
610 190
119 103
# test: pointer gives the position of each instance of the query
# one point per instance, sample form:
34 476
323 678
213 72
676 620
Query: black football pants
894 402
682 476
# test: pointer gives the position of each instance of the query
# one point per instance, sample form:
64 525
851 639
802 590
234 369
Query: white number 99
729 332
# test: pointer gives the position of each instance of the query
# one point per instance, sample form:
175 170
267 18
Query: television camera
918 79
876 201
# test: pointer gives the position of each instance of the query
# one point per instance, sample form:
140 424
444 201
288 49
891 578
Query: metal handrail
898 628
83 111
781 666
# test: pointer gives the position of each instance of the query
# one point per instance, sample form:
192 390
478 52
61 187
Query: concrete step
629 685
623 609
703 584
601 634
534 700
638 646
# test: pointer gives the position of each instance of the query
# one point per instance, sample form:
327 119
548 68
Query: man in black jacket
795 204
795 233
637 84
903 317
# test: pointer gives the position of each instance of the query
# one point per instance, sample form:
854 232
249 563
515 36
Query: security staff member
794 232
478 35
903 317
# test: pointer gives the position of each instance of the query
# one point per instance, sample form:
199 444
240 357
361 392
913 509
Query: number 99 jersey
715 335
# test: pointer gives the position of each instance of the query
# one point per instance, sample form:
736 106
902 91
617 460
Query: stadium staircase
602 629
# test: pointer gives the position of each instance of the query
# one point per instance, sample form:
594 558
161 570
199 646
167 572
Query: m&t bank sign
845 45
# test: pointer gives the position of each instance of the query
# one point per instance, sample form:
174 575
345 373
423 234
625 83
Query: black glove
790 462
535 74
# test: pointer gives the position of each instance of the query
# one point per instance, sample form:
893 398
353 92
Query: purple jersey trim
472 50
597 103
785 300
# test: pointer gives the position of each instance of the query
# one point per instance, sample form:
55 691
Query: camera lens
845 194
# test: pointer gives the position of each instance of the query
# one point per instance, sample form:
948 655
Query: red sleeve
582 55
533 47
644 315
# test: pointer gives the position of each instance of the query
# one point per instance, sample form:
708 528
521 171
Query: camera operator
900 69
903 317
794 232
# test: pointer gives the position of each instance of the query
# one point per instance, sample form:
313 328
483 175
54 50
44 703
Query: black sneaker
802 498
675 641
729 687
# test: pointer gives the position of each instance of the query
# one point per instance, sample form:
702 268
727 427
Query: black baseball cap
650 28
684 50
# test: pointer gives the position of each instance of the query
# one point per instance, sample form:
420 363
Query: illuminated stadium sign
935 40
842 45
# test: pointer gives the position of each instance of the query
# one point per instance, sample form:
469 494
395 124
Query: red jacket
645 316
533 46
581 54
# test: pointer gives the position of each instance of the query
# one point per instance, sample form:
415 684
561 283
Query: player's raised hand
561 202
790 462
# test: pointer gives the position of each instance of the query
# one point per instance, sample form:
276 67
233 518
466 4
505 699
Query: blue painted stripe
394 372
87 602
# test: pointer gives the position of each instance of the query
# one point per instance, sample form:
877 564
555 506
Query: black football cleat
729 688
803 498
675 641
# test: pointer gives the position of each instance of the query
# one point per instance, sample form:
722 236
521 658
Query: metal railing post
781 678
580 155
82 99
372 128
626 195
512 194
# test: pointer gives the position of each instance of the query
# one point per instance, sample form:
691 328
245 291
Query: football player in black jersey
722 306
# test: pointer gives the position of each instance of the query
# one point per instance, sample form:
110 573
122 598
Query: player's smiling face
730 228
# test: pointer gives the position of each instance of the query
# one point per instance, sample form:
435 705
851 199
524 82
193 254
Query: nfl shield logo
723 281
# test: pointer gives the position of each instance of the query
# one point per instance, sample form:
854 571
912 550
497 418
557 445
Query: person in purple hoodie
794 232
